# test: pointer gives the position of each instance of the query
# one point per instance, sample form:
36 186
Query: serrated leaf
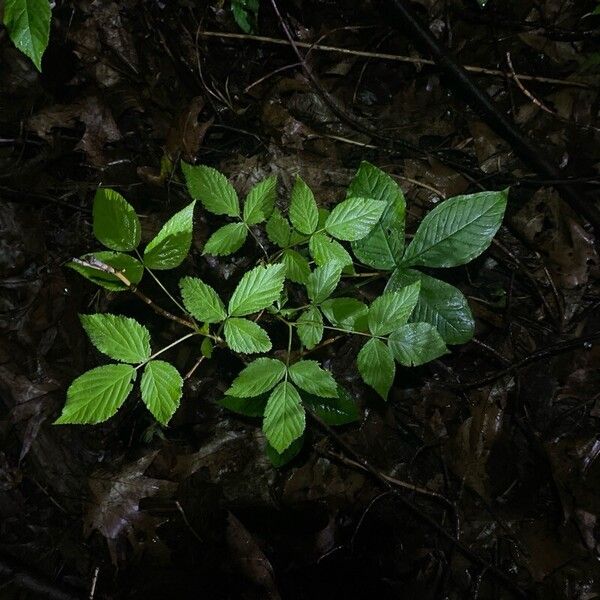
376 366
279 460
97 395
260 376
226 240
323 281
310 327
457 231
172 243
354 218
415 344
161 387
249 407
297 267
115 222
325 250
278 229
131 268
257 289
333 411
212 188
284 419
382 248
303 213
260 201
346 313
310 377
439 304
121 338
392 309
246 336
28 25
201 300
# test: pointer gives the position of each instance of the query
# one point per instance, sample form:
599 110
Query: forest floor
500 437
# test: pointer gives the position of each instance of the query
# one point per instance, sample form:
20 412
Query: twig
94 582
391 57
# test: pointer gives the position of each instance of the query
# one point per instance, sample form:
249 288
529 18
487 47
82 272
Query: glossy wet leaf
131 268
257 289
354 218
116 225
260 376
333 411
392 309
97 395
212 189
310 327
284 419
376 366
303 213
323 281
226 240
246 336
161 388
309 376
201 300
415 344
119 337
260 201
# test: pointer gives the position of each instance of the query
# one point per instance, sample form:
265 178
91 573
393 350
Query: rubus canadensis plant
305 284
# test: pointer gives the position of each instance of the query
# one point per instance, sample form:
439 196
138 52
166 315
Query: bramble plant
410 323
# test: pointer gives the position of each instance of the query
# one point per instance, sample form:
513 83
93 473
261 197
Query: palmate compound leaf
376 366
246 336
415 344
439 304
115 222
121 338
310 377
260 201
303 213
201 300
383 247
354 218
323 281
310 327
284 419
28 25
226 240
457 231
172 243
131 268
325 250
161 387
97 395
392 309
257 289
260 376
212 188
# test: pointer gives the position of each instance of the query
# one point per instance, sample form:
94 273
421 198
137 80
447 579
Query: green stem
171 345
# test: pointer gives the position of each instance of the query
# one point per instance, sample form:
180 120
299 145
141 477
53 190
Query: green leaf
260 201
257 289
260 376
284 419
279 460
354 218
392 309
28 25
97 395
246 336
212 188
304 213
131 268
457 231
245 13
161 386
278 229
201 300
206 347
346 313
226 240
172 243
249 407
310 327
416 344
121 338
376 366
382 248
310 377
115 223
297 268
323 281
333 411
439 304
325 250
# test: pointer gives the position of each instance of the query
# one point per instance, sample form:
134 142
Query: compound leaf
304 213
257 289
161 386
201 300
376 366
246 336
96 395
284 419
226 240
323 281
310 377
354 218
260 376
415 344
115 223
212 188
260 201
119 337
392 309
